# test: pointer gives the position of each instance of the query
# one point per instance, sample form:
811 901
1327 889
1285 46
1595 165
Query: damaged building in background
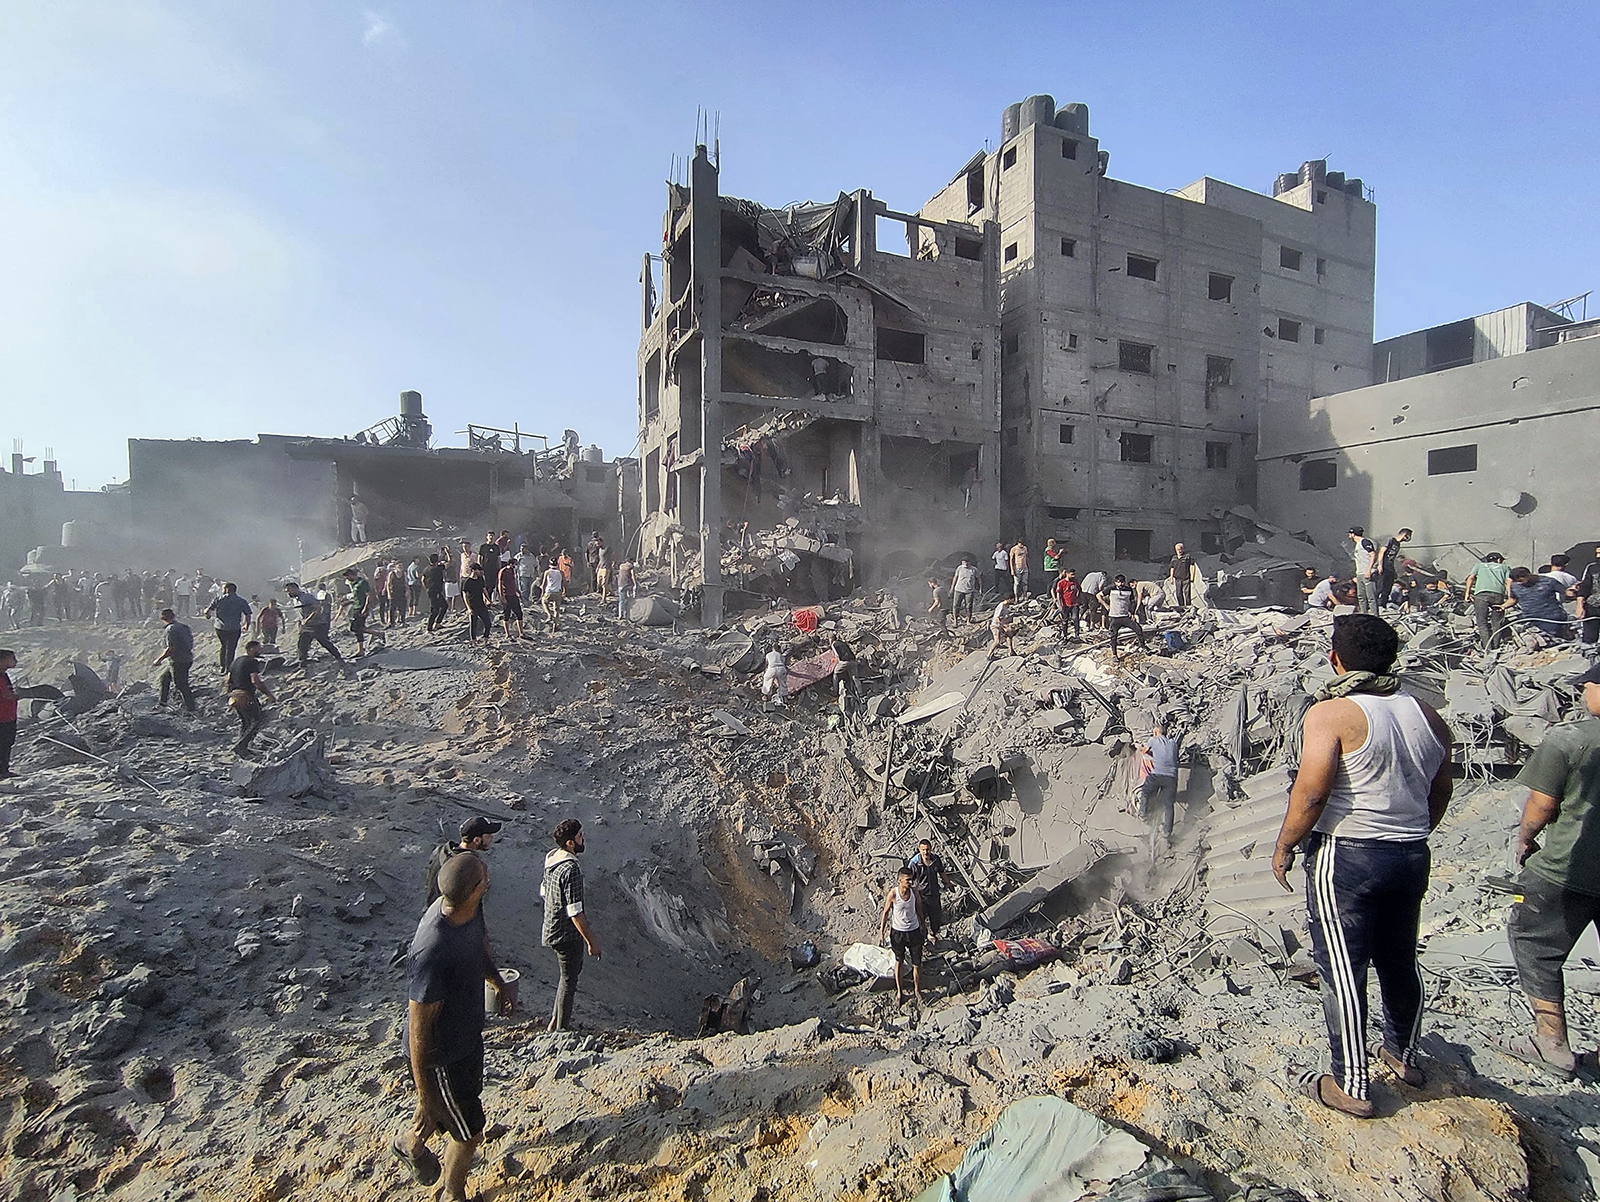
254 510
815 403
1146 335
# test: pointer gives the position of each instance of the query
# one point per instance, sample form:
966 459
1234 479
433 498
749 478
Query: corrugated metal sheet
1242 895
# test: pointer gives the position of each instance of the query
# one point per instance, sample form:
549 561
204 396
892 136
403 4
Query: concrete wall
1068 299
35 505
1533 418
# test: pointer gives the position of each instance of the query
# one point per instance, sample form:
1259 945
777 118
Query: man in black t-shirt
1587 594
433 581
475 589
477 833
245 690
447 967
489 560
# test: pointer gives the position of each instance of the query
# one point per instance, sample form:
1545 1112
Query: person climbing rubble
245 690
1319 595
1486 589
1066 594
1587 594
1180 571
964 588
1372 784
8 711
179 658
1158 795
447 967
551 594
566 928
1364 556
359 605
1558 893
475 835
433 580
1120 600
775 679
510 599
313 624
903 926
476 589
1001 629
1089 590
928 878
1537 600
231 614
939 610
1019 571
627 586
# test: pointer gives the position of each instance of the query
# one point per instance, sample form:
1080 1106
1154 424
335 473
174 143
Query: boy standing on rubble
1558 895
1373 783
903 925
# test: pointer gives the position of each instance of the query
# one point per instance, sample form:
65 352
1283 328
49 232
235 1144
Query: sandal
424 1169
1409 1073
1525 1049
1308 1082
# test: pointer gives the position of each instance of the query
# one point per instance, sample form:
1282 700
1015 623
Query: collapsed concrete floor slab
189 975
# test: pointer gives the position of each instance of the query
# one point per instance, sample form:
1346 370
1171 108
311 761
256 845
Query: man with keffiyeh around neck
1373 783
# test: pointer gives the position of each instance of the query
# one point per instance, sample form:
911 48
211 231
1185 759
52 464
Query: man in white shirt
1321 597
775 680
554 589
1002 569
1000 627
1089 590
1364 553
964 586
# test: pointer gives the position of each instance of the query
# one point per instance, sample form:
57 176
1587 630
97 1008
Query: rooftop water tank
1353 187
591 454
1313 169
69 534
1073 118
410 403
1011 122
1038 110
1286 182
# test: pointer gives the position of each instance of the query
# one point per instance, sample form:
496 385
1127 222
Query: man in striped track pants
1373 783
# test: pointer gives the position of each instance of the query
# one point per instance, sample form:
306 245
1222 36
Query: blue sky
223 218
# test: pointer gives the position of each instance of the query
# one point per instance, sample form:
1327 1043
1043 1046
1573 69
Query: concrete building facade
1492 455
1144 332
1510 331
794 371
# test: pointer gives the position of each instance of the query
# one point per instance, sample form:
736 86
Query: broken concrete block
654 610
1095 728
1120 971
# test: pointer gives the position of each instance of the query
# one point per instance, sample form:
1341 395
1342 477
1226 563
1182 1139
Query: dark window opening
977 351
899 346
1009 160
1220 287
963 467
1318 475
1142 268
966 248
1289 257
1012 437
1451 345
1062 513
1069 148
1219 375
1069 248
1288 329
1132 544
975 189
1317 335
1322 267
652 385
1446 461
1322 198
1137 448
1135 356
1216 455
1011 344
1072 342
1065 434
1011 252
594 473
1210 543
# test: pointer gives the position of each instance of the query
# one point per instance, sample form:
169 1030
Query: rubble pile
195 960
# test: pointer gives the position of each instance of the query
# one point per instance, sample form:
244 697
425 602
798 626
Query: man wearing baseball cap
477 833
1558 894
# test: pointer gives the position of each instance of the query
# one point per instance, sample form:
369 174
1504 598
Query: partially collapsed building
798 379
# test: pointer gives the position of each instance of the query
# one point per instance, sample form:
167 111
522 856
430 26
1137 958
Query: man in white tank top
1373 783
904 925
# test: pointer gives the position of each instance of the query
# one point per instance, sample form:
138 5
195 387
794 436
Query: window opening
1289 257
899 346
1216 455
1009 160
1132 544
1141 267
1317 335
1069 148
1318 475
1069 248
1288 329
1220 287
1062 513
1447 461
1065 434
1135 356
1137 448
1011 252
966 248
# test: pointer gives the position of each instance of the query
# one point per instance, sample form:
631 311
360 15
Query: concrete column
705 284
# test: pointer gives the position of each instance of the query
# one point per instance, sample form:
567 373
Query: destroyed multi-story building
39 513
258 509
1146 333
797 375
